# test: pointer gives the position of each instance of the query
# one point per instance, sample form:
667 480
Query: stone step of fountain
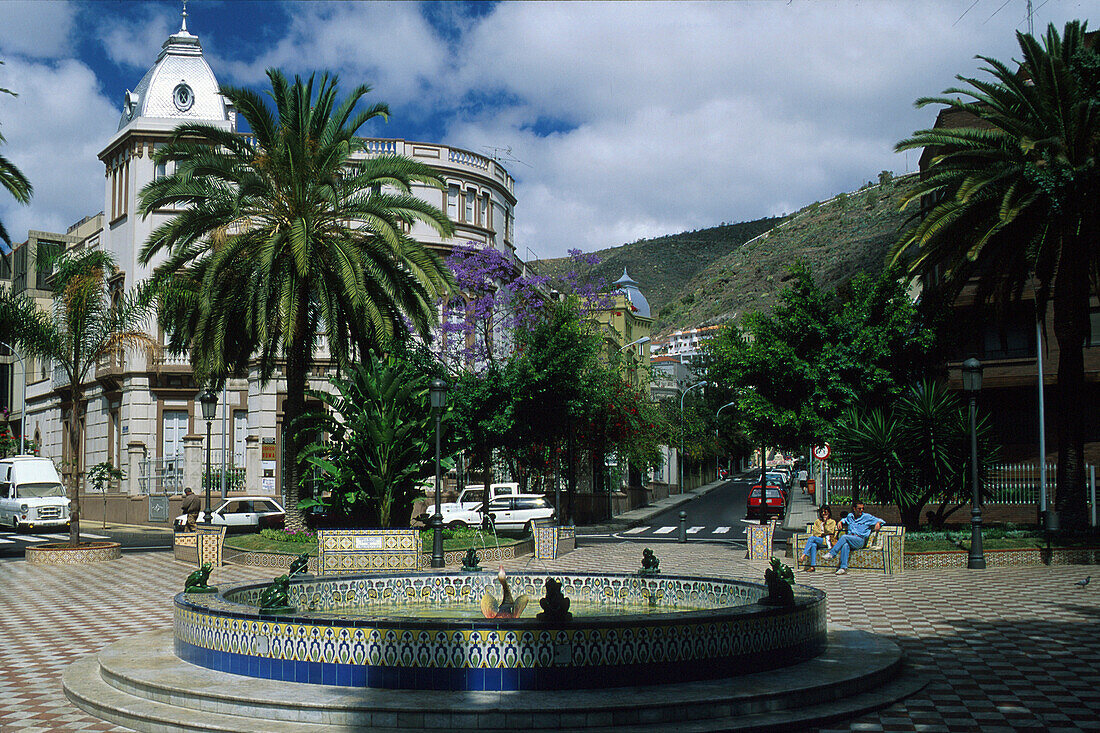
142 684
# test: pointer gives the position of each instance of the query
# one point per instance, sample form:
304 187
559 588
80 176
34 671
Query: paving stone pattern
1005 649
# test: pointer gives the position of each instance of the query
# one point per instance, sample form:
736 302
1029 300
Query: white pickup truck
464 511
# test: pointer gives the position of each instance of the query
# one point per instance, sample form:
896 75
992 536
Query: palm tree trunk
293 408
74 463
1071 319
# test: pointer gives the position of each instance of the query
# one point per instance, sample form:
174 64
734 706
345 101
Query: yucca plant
376 439
286 239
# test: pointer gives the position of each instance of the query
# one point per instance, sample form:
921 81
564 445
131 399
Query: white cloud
391 47
670 116
54 129
136 43
36 29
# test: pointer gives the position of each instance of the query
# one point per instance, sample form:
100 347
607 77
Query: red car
775 502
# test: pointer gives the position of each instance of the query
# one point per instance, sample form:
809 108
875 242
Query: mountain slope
715 275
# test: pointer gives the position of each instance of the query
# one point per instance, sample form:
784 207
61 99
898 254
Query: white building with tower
142 414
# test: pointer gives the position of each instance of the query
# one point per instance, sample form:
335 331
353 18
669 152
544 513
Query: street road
717 516
12 544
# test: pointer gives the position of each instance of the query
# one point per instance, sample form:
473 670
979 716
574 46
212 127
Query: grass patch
453 539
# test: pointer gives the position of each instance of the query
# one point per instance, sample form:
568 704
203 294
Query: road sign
822 452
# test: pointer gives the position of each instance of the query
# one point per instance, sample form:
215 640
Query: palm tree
13 180
86 325
1014 202
285 240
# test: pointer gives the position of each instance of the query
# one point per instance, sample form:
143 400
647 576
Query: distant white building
685 345
141 413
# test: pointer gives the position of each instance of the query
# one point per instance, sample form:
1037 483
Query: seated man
859 527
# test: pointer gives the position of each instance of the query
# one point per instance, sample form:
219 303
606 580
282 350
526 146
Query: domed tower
178 88
634 296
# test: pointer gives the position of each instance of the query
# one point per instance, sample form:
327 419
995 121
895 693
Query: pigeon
1083 583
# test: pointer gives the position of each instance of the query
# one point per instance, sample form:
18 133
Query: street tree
1015 203
291 238
792 372
86 324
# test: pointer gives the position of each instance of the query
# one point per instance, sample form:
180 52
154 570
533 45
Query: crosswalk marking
664 530
721 530
636 530
4 541
28 538
694 530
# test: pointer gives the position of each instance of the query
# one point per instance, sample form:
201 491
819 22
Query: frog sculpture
196 581
276 597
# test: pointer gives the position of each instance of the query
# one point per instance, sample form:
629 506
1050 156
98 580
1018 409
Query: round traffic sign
822 452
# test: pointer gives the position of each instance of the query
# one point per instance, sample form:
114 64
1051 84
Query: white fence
1005 483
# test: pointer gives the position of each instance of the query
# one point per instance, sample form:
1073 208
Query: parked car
31 494
775 503
519 512
465 510
243 514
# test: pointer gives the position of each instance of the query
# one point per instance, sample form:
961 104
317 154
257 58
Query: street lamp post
717 468
23 404
439 401
972 384
209 402
680 455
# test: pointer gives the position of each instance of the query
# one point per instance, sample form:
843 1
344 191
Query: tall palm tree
1014 201
287 239
12 179
86 325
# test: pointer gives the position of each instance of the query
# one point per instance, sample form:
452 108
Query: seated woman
823 534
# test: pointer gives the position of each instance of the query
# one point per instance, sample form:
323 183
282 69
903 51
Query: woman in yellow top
823 534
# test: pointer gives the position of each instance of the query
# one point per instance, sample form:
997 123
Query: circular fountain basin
387 631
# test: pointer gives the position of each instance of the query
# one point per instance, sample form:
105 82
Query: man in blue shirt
858 528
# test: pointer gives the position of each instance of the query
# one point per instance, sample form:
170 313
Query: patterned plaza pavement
1007 649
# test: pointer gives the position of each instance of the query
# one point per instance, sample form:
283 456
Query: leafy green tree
13 180
794 371
288 239
1014 199
915 453
381 439
85 325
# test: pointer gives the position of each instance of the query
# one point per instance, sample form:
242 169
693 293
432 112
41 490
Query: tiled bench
884 550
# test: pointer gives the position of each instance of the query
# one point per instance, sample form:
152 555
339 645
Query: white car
518 512
243 513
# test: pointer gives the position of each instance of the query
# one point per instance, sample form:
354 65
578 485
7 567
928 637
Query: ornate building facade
141 413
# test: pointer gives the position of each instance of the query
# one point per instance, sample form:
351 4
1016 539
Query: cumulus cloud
625 120
36 29
391 47
135 42
55 129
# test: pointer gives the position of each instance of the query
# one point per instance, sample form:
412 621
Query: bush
279 535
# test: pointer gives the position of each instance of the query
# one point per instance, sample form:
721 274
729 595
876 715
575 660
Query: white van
31 494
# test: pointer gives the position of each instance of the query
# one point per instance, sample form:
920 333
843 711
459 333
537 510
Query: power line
1006 2
965 12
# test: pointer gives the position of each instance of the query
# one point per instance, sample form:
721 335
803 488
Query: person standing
859 527
822 534
191 506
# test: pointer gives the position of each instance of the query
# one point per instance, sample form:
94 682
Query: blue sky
619 120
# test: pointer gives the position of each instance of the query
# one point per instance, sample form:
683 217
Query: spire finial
183 28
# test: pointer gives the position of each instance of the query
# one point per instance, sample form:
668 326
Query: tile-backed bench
884 550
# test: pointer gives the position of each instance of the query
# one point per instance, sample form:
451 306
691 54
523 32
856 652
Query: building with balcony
140 412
